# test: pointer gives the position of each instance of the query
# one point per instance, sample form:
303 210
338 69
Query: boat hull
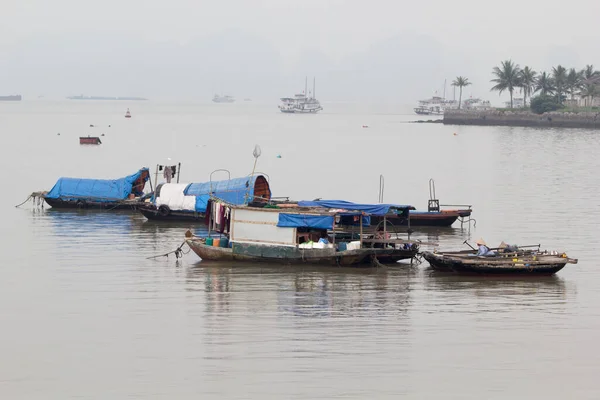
491 266
313 111
426 218
93 204
151 212
283 255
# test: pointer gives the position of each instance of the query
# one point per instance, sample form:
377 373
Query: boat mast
444 98
313 94
305 86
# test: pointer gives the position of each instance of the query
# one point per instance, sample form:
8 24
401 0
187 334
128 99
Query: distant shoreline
555 119
105 98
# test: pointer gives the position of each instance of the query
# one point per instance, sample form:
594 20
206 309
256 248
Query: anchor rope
178 252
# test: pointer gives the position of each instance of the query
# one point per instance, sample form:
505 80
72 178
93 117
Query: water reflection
516 290
307 291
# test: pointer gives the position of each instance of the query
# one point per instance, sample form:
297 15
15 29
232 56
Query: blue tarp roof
305 221
105 190
232 191
372 209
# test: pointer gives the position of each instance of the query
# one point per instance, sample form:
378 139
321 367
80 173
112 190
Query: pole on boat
150 180
156 174
314 96
256 153
361 229
385 228
178 171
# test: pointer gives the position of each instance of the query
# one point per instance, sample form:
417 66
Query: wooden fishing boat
187 202
282 254
441 217
285 235
122 193
436 214
529 263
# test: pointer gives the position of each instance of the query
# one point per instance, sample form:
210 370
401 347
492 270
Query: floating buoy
109 126
102 134
365 126
91 125
278 155
58 133
455 134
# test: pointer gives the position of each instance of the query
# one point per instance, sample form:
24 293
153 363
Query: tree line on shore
553 87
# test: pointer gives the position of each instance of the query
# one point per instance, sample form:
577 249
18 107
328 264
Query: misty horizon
353 56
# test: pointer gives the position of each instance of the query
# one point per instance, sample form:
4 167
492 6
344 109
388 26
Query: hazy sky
373 50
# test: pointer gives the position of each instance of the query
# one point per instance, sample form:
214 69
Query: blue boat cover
372 209
232 191
101 190
305 221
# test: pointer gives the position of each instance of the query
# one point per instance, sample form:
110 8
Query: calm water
84 314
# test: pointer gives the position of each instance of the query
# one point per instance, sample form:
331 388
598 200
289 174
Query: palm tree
590 83
528 81
573 82
507 78
559 76
460 82
544 84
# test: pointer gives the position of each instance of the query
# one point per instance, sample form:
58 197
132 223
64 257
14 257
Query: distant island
82 97
16 97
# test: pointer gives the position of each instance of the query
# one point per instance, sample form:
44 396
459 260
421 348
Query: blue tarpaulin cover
372 209
102 190
305 221
232 191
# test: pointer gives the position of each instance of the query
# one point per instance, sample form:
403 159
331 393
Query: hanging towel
218 215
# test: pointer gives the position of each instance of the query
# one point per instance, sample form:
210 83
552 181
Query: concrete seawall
556 119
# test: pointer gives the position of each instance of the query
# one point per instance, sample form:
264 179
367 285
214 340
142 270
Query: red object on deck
90 140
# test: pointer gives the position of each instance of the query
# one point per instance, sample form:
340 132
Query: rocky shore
556 119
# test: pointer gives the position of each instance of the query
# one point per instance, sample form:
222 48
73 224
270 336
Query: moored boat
128 114
89 140
122 193
518 263
189 201
301 233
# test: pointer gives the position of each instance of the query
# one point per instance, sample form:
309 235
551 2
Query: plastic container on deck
342 246
209 241
216 242
224 242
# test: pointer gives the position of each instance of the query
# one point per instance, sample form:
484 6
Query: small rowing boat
515 263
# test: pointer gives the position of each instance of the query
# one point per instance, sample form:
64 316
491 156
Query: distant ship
223 99
82 97
301 103
16 97
436 105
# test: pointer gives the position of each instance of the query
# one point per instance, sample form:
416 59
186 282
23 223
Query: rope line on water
26 200
178 253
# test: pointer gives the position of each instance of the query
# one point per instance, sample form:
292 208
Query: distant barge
105 98
17 97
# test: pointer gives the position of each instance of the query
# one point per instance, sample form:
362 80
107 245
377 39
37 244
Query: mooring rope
178 252
26 200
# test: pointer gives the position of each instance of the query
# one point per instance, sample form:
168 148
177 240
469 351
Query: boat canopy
233 191
102 190
305 221
371 209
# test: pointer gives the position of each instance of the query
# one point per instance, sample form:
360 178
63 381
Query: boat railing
469 206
